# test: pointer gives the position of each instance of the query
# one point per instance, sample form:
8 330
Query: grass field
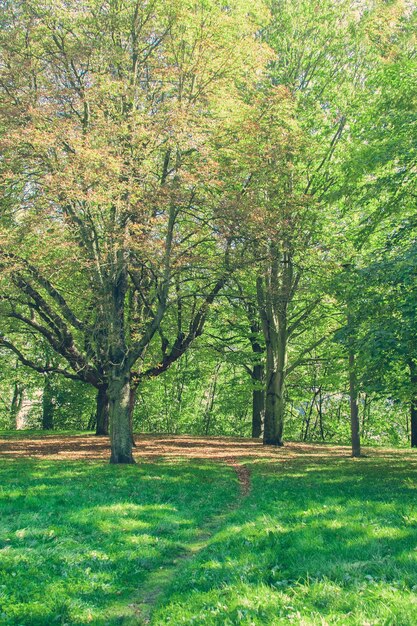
314 540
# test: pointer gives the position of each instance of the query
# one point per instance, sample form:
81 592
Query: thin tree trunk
413 403
308 417
16 403
120 417
318 421
320 409
354 411
413 422
407 425
47 405
210 400
258 401
365 406
102 411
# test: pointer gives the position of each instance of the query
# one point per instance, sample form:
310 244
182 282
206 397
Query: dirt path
160 581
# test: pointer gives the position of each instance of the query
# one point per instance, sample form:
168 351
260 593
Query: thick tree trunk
274 409
102 411
275 385
26 407
47 406
413 403
132 402
258 401
274 293
354 411
120 417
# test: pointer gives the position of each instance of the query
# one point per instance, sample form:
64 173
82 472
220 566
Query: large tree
110 245
323 54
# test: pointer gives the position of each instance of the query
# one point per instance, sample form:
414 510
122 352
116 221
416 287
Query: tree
323 54
109 161
381 209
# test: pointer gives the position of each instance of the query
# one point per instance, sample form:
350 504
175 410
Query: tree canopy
207 216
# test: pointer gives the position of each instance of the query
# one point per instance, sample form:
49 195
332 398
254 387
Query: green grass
79 540
315 542
29 433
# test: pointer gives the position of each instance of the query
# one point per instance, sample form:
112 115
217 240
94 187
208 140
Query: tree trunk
257 374
16 403
308 417
413 403
47 405
102 411
132 402
275 386
120 417
274 292
274 409
210 400
258 401
413 422
320 410
354 411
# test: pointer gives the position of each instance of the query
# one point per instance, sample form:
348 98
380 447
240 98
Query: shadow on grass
315 542
77 540
324 543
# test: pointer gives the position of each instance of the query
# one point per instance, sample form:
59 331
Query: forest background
207 220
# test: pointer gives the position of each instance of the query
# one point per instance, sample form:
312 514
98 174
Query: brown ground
153 447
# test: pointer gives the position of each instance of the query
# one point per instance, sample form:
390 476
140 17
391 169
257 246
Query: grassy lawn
316 541
78 540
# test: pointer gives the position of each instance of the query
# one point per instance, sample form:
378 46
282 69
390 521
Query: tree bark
258 401
47 405
211 394
274 293
102 411
120 417
132 402
413 422
413 403
274 410
16 403
276 351
354 411
307 418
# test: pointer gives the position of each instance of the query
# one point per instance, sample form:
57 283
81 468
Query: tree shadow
323 541
77 540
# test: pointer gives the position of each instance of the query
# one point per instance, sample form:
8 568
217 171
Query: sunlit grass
78 540
314 543
325 543
29 433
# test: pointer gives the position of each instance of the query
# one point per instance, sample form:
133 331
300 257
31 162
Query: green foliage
201 394
164 159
